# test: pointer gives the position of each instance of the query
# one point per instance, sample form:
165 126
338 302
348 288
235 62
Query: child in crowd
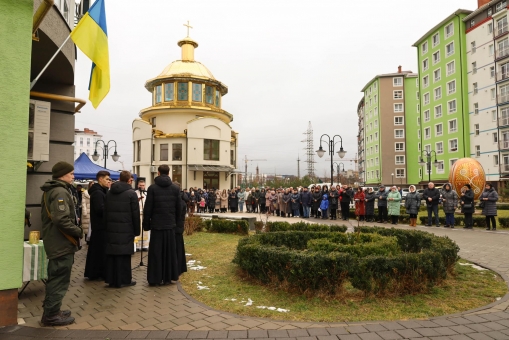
324 205
202 205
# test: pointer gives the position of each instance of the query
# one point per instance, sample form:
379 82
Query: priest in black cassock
122 224
160 216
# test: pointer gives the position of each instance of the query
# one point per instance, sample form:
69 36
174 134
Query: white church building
185 127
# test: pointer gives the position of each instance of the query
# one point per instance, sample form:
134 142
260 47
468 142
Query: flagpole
32 83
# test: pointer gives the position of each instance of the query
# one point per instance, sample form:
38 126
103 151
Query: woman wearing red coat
359 199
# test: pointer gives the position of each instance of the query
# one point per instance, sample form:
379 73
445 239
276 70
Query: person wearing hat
61 235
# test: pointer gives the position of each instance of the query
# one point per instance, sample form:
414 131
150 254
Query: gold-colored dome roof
187 68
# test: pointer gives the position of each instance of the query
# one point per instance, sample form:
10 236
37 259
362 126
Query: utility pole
310 152
298 167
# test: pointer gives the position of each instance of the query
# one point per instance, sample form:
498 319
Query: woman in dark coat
450 203
467 205
211 201
489 197
412 205
333 203
316 199
369 206
122 224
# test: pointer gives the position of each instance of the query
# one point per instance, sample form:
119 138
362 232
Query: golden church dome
186 69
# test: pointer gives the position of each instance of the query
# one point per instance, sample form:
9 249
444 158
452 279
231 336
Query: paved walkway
167 312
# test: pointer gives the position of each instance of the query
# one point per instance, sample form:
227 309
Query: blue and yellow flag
91 36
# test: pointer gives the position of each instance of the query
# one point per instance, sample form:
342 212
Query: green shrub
503 222
193 224
258 226
227 226
374 260
303 226
479 221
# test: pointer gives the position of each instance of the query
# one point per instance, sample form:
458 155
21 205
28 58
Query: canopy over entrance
84 168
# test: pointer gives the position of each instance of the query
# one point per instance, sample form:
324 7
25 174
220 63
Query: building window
472 46
377 162
418 134
211 149
426 98
453 125
495 137
438 111
425 64
400 160
451 87
420 172
427 116
492 72
476 108
476 129
400 173
489 28
425 81
398 120
169 92
452 106
400 146
176 173
449 49
138 151
427 133
474 85
398 107
439 148
399 133
197 93
418 107
398 94
436 57
438 93
376 123
398 81
88 141
439 130
163 152
209 95
440 167
376 148
477 151
218 98
424 47
491 50
474 67
492 94
436 75
436 39
418 120
158 93
182 91
449 30
501 26
427 148
81 141
453 145
503 48
494 115
451 162
376 135
451 68
176 152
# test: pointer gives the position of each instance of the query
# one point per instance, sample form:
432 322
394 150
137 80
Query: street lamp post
341 153
427 163
392 175
105 148
338 168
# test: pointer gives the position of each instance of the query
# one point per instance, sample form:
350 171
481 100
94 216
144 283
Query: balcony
503 145
501 99
500 31
504 121
504 168
502 53
501 76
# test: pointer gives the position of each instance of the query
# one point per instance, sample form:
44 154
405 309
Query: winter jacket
467 198
333 199
346 195
306 199
382 198
317 199
490 206
412 203
450 200
434 194
85 214
211 200
218 200
370 203
295 201
122 219
61 219
233 200
287 197
163 205
324 205
393 203
360 203
241 196
97 197
224 200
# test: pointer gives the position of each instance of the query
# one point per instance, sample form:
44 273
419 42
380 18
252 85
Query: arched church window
218 96
158 94
197 93
169 92
182 91
209 95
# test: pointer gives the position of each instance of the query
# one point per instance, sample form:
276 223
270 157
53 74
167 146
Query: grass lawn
470 288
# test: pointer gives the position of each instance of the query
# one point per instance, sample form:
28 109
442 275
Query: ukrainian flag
91 36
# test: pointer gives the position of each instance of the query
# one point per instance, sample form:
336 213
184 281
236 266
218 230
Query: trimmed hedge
227 226
303 226
373 260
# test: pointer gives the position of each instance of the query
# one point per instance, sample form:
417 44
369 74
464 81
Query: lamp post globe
115 156
320 152
341 153
95 156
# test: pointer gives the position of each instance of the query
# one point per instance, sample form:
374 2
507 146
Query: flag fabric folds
91 37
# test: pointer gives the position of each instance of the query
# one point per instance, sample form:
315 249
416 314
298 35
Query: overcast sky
285 63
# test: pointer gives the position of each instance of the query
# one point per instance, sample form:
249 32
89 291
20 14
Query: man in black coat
122 224
432 197
162 211
96 257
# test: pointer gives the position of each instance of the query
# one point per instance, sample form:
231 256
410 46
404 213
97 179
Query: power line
310 153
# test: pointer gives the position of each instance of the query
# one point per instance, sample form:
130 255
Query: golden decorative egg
468 171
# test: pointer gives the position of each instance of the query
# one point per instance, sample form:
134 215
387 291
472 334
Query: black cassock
162 260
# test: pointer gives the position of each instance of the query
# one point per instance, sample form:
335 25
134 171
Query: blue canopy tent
84 168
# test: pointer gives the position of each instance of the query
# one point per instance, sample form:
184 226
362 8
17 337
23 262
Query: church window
158 94
163 152
209 94
176 152
176 173
197 92
182 93
168 92
217 98
210 149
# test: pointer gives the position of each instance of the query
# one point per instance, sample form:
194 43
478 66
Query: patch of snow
189 254
280 310
191 262
202 287
271 308
249 302
473 266
197 267
230 299
498 299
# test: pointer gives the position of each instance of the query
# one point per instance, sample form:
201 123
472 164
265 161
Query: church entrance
210 180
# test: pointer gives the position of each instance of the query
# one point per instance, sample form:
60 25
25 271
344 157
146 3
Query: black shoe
494 229
56 320
132 283
488 229
438 225
65 313
446 226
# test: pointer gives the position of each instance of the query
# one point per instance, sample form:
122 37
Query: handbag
467 205
482 204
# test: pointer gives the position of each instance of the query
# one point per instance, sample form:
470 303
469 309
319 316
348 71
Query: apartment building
443 97
85 141
360 141
487 38
384 129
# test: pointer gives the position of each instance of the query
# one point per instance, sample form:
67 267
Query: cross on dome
188 27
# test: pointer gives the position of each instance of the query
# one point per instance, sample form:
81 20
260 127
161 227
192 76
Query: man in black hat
61 235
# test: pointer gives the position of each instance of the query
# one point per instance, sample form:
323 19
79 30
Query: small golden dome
186 69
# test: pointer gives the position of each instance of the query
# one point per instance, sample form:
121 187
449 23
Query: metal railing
504 121
501 30
502 53
503 144
504 168
503 98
